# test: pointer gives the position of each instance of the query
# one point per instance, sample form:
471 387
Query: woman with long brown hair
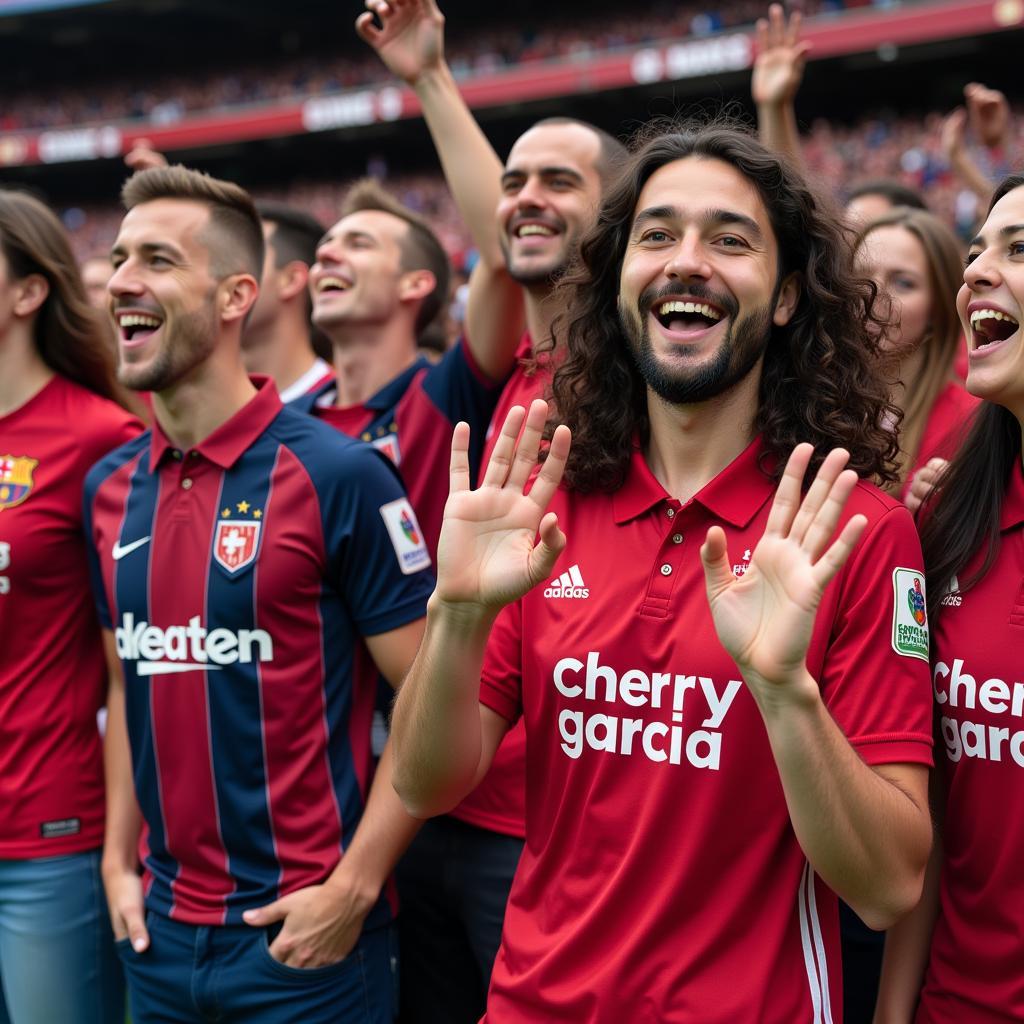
57 417
914 261
966 937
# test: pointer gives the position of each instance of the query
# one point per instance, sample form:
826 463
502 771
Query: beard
745 343
192 340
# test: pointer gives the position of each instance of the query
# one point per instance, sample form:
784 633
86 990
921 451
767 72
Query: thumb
135 923
546 552
366 28
714 556
259 917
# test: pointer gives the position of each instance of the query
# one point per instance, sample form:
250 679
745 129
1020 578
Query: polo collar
734 496
226 445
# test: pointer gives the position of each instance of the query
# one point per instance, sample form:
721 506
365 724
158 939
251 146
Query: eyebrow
149 249
1012 229
350 234
708 217
545 172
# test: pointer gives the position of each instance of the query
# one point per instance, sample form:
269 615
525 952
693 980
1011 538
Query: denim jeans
192 974
57 958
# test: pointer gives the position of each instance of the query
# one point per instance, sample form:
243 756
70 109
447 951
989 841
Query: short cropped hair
296 232
897 194
612 154
238 243
421 249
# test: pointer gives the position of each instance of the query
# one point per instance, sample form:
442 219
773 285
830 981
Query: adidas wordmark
569 584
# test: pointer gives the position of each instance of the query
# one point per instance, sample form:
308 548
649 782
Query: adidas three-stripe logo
569 584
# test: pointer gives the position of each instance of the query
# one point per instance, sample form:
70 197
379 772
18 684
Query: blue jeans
57 959
192 974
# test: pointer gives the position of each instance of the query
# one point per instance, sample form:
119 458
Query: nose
124 281
687 260
531 195
982 271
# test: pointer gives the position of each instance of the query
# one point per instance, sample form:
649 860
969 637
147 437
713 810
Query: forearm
906 951
865 836
971 175
123 818
776 126
471 167
436 725
384 833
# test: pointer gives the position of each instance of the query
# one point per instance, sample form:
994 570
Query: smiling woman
914 261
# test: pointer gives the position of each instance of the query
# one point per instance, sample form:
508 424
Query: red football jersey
947 426
53 673
661 880
976 969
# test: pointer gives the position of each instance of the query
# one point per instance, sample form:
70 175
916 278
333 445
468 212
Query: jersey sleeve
502 675
875 679
460 391
375 547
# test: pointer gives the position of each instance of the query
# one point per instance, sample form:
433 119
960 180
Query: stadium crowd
168 99
686 570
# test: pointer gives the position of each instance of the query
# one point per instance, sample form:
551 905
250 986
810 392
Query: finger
793 28
825 522
504 448
912 502
525 459
550 475
260 917
834 559
550 545
458 468
714 556
776 24
135 925
366 28
761 34
818 492
787 494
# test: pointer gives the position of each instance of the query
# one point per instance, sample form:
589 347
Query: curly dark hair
823 377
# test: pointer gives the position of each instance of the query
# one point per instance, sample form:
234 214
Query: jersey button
666 570
670 512
176 454
186 483
677 538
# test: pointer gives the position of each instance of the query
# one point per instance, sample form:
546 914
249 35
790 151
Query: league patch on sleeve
406 536
909 614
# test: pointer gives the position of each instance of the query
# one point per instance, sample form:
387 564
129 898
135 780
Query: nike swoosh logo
119 552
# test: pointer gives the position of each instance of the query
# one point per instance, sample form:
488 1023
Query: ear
30 294
293 278
416 285
789 296
237 295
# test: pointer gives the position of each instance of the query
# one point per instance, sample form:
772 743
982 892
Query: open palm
410 38
765 618
487 553
781 55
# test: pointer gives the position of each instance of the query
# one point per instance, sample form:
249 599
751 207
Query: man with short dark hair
256 573
728 719
526 217
279 339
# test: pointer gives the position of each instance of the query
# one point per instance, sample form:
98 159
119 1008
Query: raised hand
781 56
989 114
486 553
924 482
410 40
143 157
764 619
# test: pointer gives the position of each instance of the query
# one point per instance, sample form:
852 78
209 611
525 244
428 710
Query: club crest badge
910 614
15 479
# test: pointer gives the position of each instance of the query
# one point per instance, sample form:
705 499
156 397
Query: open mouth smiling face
686 320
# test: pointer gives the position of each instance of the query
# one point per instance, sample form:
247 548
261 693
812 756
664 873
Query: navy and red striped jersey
239 579
411 420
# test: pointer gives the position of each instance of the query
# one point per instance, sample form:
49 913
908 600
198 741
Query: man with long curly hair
724 692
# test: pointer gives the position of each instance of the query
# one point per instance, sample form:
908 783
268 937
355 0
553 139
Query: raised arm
410 42
778 72
866 831
487 558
